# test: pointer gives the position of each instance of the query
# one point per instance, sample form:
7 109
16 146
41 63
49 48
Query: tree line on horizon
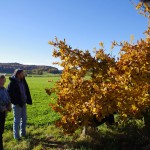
29 69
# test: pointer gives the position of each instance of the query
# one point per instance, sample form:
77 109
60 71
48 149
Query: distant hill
30 69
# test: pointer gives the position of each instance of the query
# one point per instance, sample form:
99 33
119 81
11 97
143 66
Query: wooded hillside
30 69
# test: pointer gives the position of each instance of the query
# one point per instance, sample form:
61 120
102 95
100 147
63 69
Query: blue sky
26 26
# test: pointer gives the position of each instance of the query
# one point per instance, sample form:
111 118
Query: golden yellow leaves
139 5
144 9
96 87
134 108
132 78
64 119
147 8
131 38
85 110
111 86
148 39
113 44
94 111
101 44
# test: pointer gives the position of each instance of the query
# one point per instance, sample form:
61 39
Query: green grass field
43 135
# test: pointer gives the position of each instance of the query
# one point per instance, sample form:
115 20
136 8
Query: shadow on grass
48 143
129 137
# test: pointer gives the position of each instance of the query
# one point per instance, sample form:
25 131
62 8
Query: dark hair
17 72
2 76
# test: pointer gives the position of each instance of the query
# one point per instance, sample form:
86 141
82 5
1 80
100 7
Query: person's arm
2 107
10 90
29 99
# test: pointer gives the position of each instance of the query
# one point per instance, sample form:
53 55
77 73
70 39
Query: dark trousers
2 123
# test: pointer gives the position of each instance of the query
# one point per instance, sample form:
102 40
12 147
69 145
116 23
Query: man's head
19 73
2 80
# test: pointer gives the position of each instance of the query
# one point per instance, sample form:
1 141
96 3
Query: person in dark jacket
20 96
5 106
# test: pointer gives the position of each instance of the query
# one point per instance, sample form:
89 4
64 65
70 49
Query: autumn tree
121 86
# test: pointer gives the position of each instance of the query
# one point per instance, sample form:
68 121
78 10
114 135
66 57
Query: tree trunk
89 131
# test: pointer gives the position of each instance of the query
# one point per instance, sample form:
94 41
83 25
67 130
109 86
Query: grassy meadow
43 135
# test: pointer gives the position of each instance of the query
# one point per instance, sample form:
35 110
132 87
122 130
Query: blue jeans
20 121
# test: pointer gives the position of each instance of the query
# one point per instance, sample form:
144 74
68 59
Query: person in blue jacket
5 106
20 96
